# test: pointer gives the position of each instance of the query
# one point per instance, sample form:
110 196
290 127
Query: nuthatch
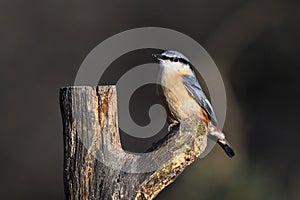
184 97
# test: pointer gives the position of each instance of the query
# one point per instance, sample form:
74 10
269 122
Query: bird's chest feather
179 101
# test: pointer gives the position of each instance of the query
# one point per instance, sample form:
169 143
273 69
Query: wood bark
96 166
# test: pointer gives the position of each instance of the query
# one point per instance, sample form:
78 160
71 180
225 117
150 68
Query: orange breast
178 100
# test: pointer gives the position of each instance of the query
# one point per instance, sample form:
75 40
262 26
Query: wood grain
96 166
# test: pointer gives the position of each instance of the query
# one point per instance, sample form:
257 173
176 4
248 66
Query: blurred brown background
255 44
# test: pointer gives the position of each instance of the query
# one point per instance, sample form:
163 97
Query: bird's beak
157 56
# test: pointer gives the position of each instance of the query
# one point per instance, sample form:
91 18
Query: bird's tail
220 138
226 147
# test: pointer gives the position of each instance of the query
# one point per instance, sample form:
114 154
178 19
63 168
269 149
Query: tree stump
96 166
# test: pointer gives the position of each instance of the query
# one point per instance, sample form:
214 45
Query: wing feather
193 87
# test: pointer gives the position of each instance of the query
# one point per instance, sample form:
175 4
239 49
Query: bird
183 96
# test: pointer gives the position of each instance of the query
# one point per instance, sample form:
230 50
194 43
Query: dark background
255 44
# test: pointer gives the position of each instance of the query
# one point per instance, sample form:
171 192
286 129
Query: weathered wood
96 166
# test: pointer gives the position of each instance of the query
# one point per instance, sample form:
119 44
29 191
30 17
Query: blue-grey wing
193 87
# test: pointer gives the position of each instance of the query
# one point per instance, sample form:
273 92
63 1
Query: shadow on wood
96 166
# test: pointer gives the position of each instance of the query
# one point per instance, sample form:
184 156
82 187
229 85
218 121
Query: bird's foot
172 125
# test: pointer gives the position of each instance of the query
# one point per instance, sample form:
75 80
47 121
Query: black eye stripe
175 59
164 57
183 61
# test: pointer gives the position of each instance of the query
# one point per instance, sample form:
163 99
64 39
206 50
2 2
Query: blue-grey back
192 85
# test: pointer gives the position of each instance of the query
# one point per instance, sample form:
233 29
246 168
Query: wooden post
91 142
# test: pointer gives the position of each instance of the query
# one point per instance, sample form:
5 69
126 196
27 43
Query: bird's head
174 61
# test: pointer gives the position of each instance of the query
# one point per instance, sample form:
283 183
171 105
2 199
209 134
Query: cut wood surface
96 166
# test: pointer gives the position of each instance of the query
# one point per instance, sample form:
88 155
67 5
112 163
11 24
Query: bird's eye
175 59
